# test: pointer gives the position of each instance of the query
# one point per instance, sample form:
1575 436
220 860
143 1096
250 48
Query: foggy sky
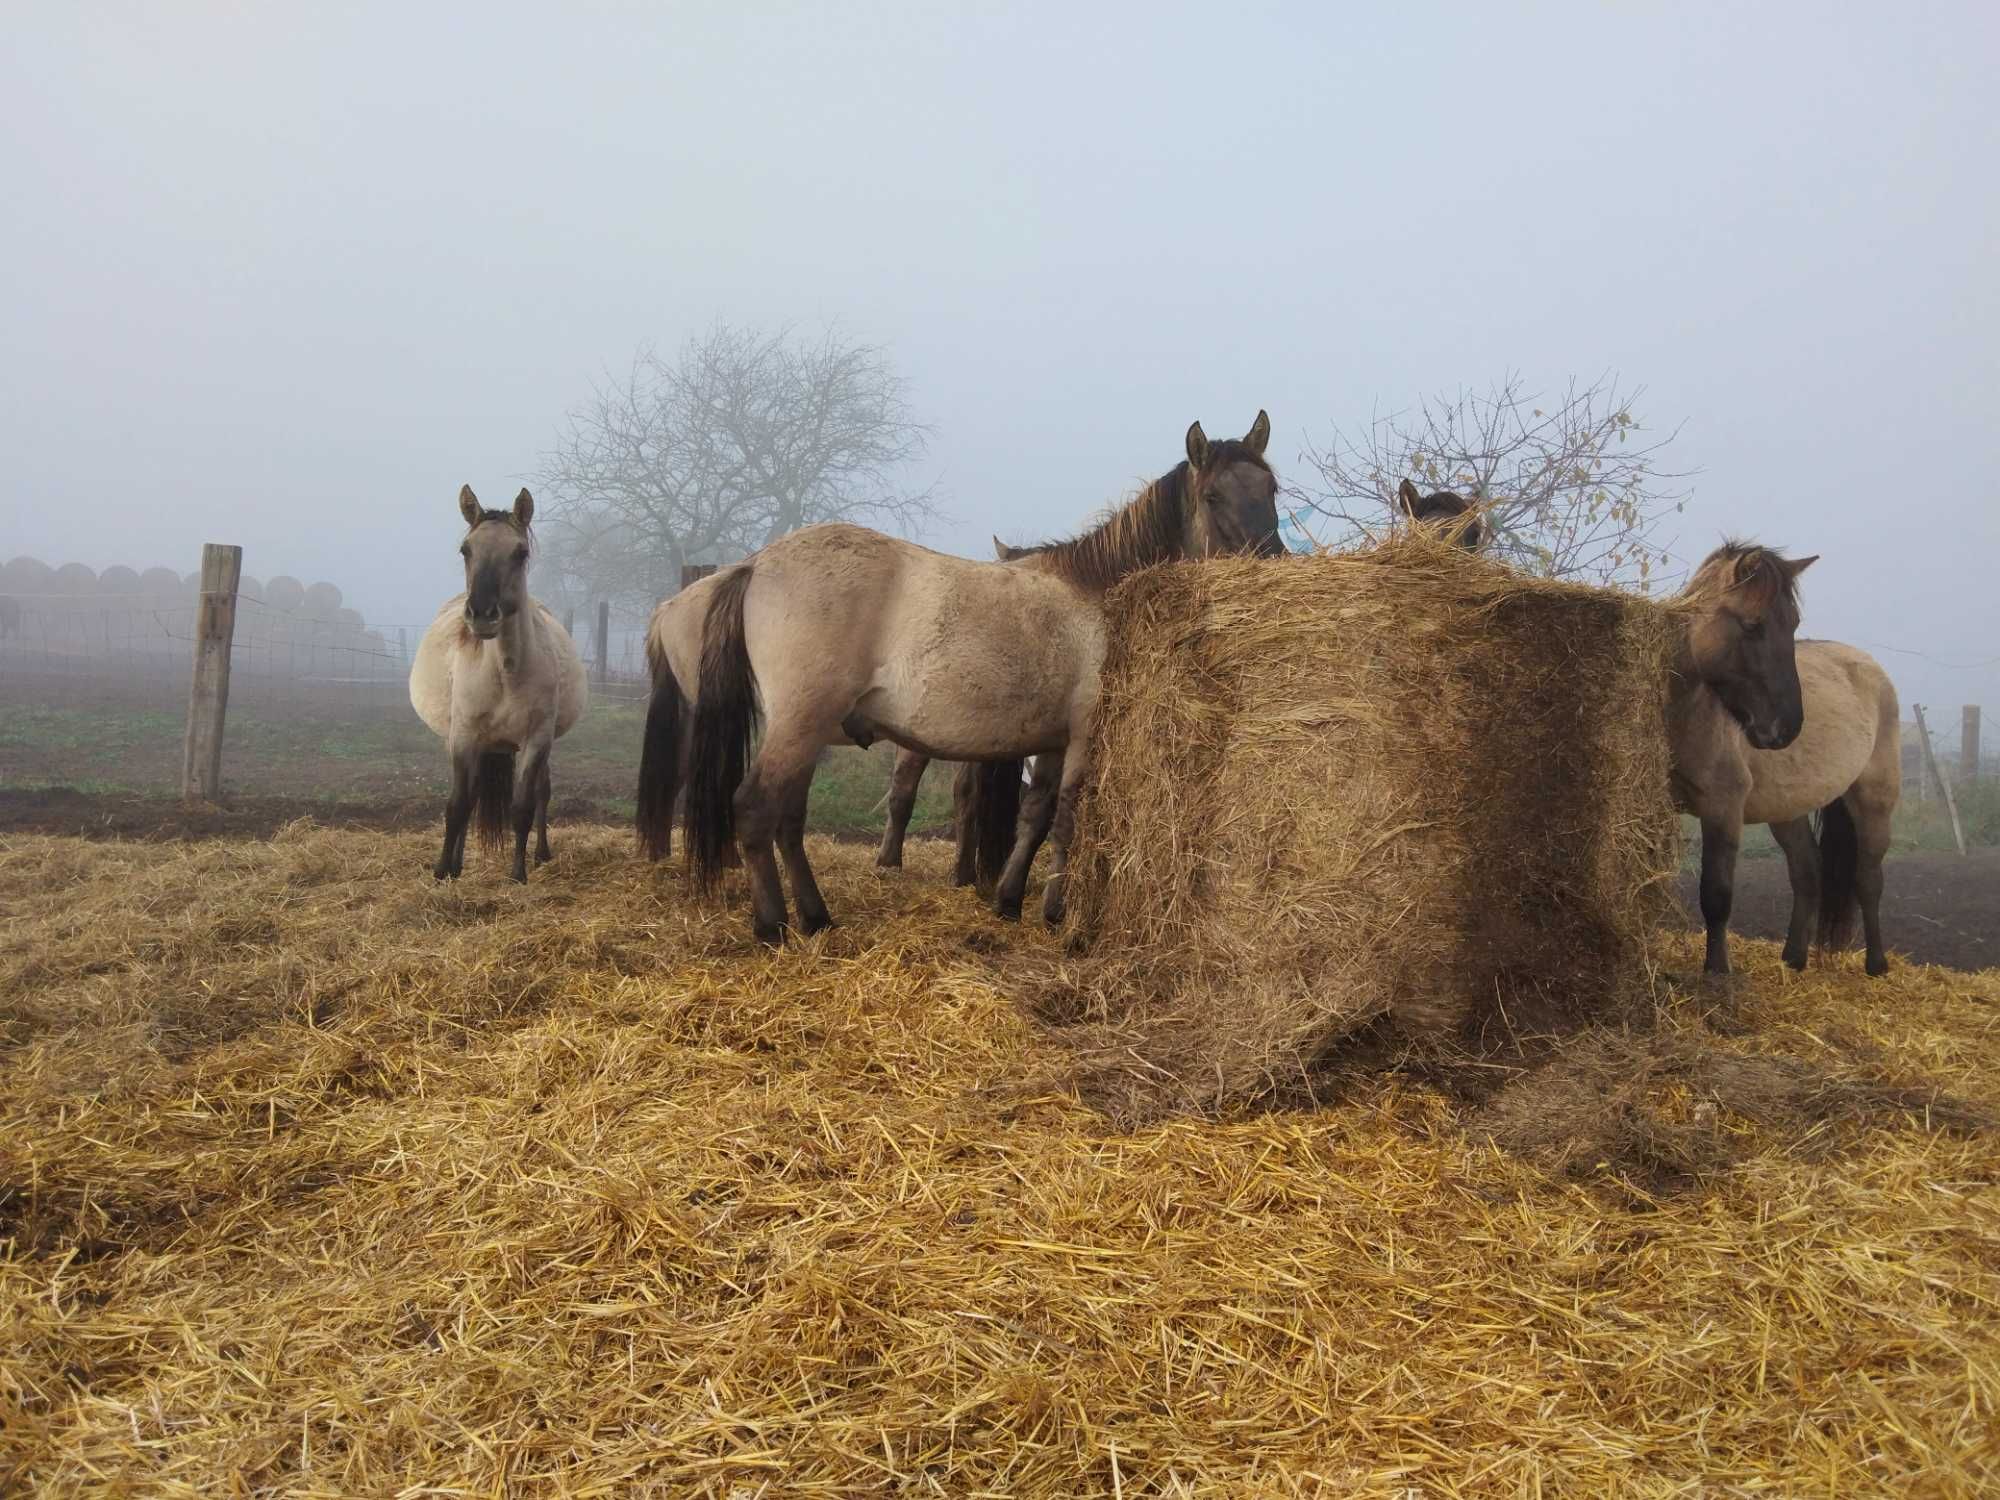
289 280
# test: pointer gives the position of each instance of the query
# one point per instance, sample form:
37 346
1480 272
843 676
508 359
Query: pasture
321 1178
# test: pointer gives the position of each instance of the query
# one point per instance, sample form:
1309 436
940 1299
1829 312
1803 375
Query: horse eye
520 554
466 551
1754 631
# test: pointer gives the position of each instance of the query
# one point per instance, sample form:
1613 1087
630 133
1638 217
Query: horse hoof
821 923
443 872
1007 911
770 934
1795 960
1877 967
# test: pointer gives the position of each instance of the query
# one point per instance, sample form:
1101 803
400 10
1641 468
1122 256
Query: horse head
1743 608
1453 514
495 550
1234 494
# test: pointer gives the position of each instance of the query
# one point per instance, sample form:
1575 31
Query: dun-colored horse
500 681
1442 508
1833 749
839 633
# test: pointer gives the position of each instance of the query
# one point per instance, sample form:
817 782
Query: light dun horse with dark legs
1769 730
837 633
500 681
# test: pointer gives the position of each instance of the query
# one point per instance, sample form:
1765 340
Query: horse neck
1150 529
520 640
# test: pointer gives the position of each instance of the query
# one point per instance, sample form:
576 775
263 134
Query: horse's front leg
1720 838
528 768
457 810
542 788
965 823
1802 864
1069 770
903 783
772 785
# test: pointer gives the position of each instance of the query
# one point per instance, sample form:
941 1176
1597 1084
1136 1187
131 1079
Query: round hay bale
75 578
247 587
285 593
1405 785
348 619
160 583
28 575
323 601
118 579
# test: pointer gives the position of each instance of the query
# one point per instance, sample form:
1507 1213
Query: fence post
403 644
1943 786
208 696
1968 746
693 573
603 641
569 622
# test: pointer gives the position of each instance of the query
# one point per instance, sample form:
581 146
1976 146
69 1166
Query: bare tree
739 438
1571 488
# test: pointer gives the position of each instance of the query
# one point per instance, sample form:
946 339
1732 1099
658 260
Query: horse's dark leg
903 782
1719 841
1038 814
813 915
1055 894
1872 829
457 813
783 765
964 790
542 815
1802 864
529 767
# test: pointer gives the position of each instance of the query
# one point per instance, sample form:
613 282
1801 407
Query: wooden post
569 622
403 644
1968 746
208 698
1943 786
693 573
603 641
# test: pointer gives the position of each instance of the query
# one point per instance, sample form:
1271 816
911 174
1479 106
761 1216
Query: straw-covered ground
316 1178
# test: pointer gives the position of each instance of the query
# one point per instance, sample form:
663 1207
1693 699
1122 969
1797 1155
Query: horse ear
1001 550
468 505
1259 433
524 509
1797 565
1407 497
1197 445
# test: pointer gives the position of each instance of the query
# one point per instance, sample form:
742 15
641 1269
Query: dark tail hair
493 797
996 808
659 764
726 718
1839 856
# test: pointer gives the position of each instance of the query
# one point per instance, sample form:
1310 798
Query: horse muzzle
486 627
1771 735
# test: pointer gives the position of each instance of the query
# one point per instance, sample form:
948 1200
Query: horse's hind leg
1038 815
1795 837
781 772
457 813
1871 826
542 815
1055 896
1719 840
813 915
530 769
903 782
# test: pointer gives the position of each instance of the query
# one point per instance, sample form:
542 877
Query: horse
1843 762
498 679
839 633
909 772
1442 508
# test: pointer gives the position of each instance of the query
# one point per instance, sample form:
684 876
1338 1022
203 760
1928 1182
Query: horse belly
1823 762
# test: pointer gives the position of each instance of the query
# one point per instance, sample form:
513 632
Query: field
320 1178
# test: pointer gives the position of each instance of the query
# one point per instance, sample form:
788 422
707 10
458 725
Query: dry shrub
1401 783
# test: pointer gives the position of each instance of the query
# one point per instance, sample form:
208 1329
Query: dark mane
499 515
1151 528
1758 571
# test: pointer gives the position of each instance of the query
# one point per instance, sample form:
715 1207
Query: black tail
1839 856
726 718
493 797
659 764
996 808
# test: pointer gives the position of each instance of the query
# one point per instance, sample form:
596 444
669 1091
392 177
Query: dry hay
322 1180
1403 783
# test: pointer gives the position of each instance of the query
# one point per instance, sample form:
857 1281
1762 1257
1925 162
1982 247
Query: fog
289 281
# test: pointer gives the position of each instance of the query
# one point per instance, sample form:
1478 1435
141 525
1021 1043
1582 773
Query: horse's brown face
1442 508
1743 649
1236 494
495 550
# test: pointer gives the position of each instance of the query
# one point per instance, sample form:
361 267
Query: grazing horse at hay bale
1841 759
1442 509
1406 789
498 679
839 633
909 772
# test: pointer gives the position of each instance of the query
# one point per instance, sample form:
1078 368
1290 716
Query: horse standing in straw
1833 749
839 633
500 681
